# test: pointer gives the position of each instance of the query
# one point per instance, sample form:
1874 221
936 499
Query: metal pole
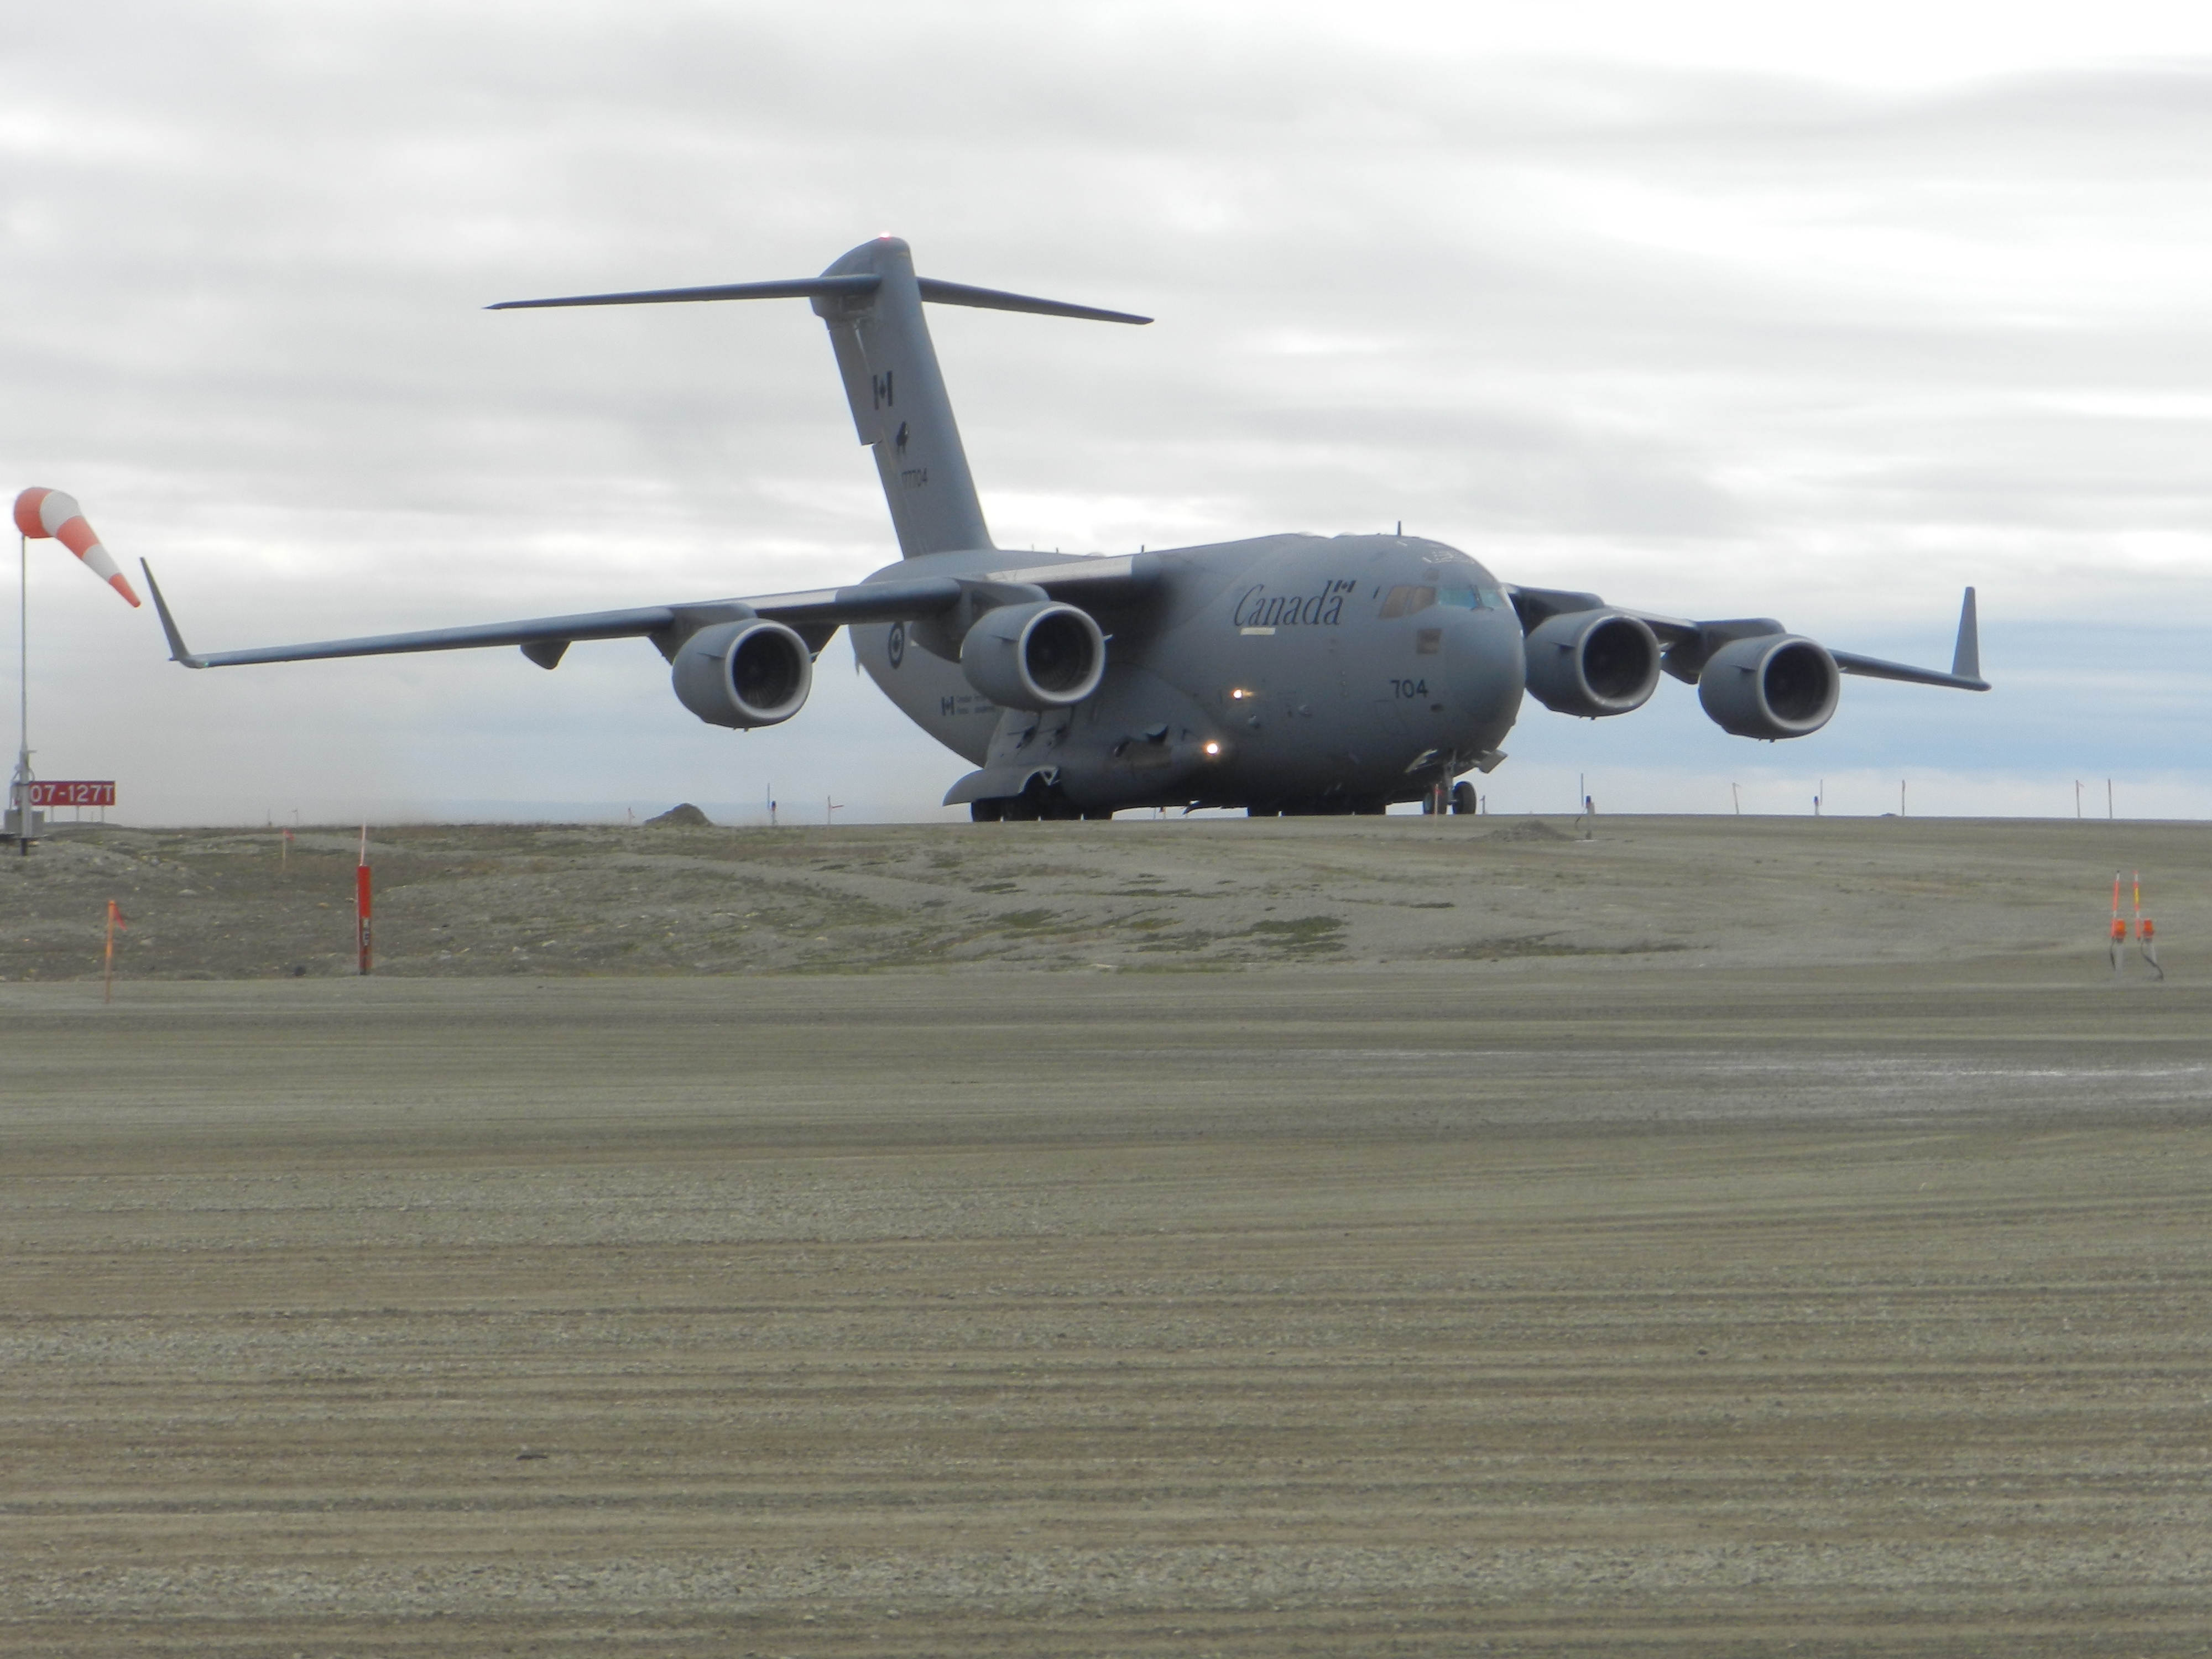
18 788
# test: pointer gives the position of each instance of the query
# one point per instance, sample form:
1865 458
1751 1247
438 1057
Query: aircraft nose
1483 667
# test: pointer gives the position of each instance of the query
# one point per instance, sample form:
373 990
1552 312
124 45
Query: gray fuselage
1283 673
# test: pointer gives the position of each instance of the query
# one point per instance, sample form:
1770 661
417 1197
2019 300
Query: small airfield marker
107 971
2119 929
2146 939
361 900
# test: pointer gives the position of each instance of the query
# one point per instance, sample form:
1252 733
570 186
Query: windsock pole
50 515
18 786
361 898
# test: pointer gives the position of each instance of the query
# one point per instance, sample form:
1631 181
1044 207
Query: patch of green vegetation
1305 935
1501 950
1027 922
993 887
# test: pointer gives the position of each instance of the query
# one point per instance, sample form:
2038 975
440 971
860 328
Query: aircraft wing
1689 644
544 638
815 613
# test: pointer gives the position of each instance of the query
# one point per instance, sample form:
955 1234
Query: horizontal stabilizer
795 287
814 288
991 299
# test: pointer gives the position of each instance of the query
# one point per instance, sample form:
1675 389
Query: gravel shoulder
1136 895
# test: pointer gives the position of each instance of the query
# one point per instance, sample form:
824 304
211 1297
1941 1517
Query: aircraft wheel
1463 801
1370 806
985 812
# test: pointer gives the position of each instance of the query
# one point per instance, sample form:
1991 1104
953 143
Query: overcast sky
1702 306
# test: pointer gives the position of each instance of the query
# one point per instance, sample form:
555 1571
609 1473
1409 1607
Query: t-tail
872 301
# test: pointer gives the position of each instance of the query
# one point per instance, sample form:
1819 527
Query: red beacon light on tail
48 514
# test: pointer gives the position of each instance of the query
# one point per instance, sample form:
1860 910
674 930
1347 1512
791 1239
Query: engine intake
744 674
1774 687
1036 656
1592 664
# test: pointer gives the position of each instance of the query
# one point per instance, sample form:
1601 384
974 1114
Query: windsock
42 513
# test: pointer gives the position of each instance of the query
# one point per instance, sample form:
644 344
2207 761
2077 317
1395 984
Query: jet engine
1592 663
744 674
1776 686
1036 656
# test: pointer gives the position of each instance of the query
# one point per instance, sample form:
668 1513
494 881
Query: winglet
178 653
1967 656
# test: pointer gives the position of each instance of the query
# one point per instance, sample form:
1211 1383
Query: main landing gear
1462 801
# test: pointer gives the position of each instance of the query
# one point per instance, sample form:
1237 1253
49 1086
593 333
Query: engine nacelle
1778 686
1592 664
1036 656
744 674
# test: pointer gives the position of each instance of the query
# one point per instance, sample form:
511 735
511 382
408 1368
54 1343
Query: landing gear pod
744 674
1037 656
1776 686
1592 664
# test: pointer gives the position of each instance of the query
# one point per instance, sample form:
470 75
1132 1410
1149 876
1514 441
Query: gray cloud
1712 340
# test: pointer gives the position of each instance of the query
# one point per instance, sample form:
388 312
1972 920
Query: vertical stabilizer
899 404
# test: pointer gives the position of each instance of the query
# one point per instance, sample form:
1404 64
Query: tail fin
872 300
899 403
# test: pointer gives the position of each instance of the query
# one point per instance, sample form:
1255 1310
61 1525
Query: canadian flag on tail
48 513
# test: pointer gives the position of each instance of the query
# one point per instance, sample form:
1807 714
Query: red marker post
2119 929
360 898
2146 935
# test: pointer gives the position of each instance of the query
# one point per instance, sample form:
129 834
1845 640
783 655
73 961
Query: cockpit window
1461 595
1407 601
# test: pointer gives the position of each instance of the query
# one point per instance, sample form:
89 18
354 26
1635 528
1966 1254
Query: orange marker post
361 898
107 973
2119 928
2146 938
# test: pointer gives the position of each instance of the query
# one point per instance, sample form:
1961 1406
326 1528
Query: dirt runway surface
1847 1292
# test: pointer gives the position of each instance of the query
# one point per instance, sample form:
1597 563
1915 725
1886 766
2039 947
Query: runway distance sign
80 793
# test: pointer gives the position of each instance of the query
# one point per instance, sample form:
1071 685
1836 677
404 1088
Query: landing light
1213 749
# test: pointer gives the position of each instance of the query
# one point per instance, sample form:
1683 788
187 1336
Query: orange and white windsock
42 513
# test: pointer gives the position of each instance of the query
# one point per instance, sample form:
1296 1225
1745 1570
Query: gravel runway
1846 1293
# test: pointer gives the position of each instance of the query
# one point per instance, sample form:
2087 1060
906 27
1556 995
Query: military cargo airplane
1287 674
